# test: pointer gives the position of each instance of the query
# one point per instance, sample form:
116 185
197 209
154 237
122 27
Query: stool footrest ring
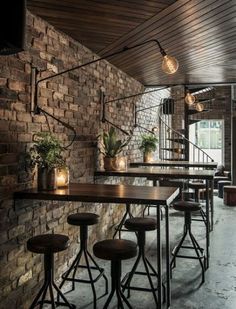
100 270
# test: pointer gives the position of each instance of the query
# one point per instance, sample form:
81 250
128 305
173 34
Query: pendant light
189 98
199 107
169 64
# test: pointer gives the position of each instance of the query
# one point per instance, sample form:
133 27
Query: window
208 134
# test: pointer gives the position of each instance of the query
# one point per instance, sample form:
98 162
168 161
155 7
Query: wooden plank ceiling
200 34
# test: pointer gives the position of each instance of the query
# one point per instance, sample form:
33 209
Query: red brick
3 81
18 106
26 117
18 126
16 85
39 119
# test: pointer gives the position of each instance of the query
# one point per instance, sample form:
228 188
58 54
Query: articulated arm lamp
169 66
104 119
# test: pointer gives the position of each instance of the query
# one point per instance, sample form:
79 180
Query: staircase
174 145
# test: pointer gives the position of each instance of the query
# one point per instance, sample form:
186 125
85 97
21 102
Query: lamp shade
169 64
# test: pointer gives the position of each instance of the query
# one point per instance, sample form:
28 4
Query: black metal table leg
208 224
212 204
159 257
168 286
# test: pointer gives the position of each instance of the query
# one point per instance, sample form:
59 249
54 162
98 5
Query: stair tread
176 150
173 159
194 111
192 121
177 140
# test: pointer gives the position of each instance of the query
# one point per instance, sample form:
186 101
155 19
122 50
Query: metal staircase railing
173 144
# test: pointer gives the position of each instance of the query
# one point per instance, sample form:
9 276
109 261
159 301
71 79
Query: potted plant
110 148
148 146
46 154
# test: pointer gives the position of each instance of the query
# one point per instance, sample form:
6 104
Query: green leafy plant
112 146
46 152
148 143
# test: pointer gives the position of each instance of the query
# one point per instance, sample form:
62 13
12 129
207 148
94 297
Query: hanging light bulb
155 129
169 64
189 98
199 107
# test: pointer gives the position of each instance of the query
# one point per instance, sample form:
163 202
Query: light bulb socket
163 53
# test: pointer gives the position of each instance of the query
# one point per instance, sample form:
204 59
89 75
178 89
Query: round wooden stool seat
141 224
48 243
196 185
187 206
115 249
83 218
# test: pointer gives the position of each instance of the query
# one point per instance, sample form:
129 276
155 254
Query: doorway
208 135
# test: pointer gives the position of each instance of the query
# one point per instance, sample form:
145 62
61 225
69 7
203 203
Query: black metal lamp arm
145 129
104 119
135 95
39 109
140 110
162 51
36 82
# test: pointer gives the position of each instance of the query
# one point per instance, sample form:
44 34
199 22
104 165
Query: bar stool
49 244
83 220
221 185
119 227
188 207
197 186
141 226
115 250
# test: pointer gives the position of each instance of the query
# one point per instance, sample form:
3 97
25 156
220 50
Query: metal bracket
34 72
103 105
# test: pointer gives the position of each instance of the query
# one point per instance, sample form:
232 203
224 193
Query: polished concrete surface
219 289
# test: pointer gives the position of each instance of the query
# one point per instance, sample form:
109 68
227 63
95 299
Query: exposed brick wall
74 98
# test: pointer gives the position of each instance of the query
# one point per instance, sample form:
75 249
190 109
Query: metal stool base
49 285
195 246
116 287
126 281
76 265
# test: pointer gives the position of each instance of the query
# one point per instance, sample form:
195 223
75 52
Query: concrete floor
219 289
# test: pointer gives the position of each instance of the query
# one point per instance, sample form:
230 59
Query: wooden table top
207 165
155 173
100 193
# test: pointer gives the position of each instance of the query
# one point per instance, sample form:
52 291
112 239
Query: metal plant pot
148 156
46 179
110 164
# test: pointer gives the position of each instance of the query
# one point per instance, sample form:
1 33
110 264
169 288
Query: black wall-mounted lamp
104 119
169 65
104 103
154 130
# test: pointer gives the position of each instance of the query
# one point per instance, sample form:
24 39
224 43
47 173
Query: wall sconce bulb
155 129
